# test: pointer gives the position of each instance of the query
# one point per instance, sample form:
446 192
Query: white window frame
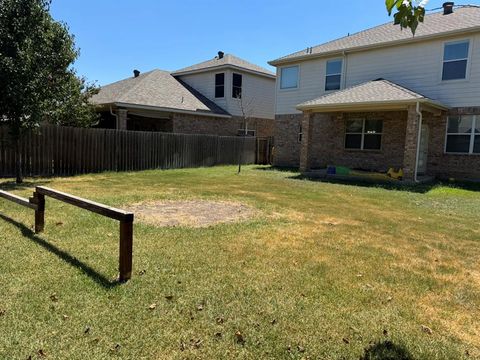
300 134
473 134
215 84
298 78
327 74
467 70
363 133
247 132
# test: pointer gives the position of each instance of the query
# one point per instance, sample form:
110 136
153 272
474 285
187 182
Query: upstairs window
220 85
455 60
237 86
463 135
289 77
334 75
362 134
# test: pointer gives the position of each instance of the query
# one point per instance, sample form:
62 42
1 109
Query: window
300 134
237 86
289 77
220 85
463 134
246 132
455 60
334 75
363 134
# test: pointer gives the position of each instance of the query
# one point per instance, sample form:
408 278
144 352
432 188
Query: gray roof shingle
377 91
436 24
157 88
227 60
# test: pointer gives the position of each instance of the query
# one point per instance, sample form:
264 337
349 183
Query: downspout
115 115
419 138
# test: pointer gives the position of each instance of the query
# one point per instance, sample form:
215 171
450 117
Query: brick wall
328 141
194 124
449 165
262 127
328 136
287 147
390 155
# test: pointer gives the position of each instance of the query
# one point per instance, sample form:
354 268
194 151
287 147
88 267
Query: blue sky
116 36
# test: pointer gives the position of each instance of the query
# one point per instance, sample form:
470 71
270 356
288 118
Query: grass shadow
386 350
12 185
421 188
66 257
416 188
275 168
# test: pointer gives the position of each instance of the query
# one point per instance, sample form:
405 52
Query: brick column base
122 119
411 143
305 148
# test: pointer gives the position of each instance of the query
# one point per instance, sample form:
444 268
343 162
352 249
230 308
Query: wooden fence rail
17 199
125 218
60 151
37 203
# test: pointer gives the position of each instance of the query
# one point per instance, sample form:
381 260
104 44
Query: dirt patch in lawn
191 213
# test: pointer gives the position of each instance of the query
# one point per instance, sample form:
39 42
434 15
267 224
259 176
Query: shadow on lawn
93 274
12 185
415 188
419 188
386 350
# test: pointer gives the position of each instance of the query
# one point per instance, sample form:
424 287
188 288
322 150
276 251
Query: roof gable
464 19
379 91
228 60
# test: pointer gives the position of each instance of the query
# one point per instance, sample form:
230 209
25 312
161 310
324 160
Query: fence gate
264 151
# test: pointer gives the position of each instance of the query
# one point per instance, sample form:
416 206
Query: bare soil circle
190 213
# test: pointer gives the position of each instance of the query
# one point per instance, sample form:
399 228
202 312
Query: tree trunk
240 157
18 161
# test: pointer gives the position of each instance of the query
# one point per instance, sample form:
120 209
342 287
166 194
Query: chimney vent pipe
448 8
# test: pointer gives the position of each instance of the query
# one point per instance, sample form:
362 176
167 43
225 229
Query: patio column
122 119
411 143
306 145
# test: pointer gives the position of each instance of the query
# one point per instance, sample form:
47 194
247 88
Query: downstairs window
363 134
463 135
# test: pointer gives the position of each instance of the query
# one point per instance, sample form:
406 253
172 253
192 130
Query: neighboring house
213 97
382 98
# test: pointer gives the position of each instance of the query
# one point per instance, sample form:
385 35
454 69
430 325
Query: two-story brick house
381 98
212 97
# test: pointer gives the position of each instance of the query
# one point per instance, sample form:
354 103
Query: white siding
417 66
205 84
258 92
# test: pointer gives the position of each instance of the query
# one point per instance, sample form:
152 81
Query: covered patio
373 126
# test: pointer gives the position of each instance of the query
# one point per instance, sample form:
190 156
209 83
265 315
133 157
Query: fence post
39 200
126 247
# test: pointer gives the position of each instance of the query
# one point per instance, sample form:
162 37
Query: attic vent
136 73
448 8
220 55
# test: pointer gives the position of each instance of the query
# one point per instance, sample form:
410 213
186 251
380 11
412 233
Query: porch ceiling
370 96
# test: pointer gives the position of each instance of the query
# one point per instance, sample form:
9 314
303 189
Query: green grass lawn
324 271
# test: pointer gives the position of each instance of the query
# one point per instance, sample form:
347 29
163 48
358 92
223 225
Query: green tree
38 82
409 13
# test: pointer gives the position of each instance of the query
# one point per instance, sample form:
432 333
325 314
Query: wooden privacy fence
55 150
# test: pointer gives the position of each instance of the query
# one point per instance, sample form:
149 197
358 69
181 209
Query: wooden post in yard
39 200
126 249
